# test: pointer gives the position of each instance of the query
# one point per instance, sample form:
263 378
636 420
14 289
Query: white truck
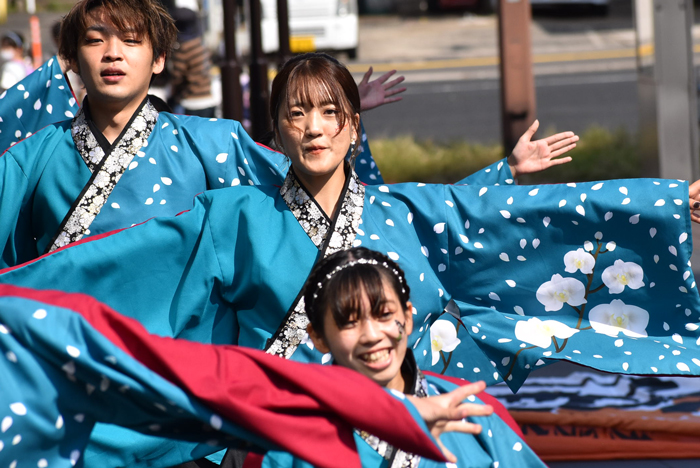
330 25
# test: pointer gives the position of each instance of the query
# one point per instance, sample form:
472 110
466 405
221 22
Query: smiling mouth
375 356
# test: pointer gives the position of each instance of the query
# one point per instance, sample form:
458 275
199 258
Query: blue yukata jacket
496 445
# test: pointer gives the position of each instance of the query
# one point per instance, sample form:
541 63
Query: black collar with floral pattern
418 386
328 235
107 162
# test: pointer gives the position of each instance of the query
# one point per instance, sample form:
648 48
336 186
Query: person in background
190 68
14 66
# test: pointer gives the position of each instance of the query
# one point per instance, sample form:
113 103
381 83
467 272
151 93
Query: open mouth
112 73
375 357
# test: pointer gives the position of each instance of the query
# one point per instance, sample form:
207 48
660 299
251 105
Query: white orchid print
611 319
540 333
559 291
579 260
443 339
623 274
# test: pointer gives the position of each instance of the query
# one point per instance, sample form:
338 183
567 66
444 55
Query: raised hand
694 191
534 156
447 413
378 92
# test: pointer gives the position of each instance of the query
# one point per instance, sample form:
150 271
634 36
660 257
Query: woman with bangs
358 306
481 259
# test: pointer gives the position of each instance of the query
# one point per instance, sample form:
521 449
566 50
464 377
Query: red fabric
498 408
274 398
253 460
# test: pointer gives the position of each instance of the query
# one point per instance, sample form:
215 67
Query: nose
113 50
313 123
371 331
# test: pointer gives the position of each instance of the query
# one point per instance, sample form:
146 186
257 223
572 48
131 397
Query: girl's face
312 139
373 346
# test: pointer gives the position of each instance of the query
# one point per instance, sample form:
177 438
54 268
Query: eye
386 314
330 111
132 41
295 113
349 325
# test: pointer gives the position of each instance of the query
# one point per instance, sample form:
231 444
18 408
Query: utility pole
231 92
259 92
284 53
518 106
667 89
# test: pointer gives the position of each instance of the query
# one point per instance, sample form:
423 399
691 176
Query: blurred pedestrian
14 66
190 68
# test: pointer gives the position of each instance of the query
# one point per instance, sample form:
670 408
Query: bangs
119 14
316 86
350 286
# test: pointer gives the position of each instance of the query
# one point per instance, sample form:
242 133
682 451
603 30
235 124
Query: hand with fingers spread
694 191
535 156
447 413
378 92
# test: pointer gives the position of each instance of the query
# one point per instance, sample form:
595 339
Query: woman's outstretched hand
378 92
694 191
535 156
447 413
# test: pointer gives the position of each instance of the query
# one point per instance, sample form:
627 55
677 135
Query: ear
408 315
159 64
318 340
356 127
73 66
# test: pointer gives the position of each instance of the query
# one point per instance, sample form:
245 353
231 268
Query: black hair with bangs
341 294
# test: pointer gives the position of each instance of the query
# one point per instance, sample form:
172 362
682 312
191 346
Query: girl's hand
377 92
535 156
447 413
694 191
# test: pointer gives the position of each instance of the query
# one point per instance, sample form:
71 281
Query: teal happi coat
69 361
496 445
157 170
504 278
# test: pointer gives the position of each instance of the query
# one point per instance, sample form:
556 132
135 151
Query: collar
317 225
93 146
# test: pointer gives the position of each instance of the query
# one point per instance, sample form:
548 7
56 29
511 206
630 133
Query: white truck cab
330 25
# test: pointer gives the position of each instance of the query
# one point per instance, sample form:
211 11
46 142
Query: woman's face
373 346
312 139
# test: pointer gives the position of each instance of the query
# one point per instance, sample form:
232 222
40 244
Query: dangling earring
352 146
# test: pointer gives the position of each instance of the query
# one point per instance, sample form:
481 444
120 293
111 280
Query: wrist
512 164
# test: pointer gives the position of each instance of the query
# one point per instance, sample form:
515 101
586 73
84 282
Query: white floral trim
317 226
106 171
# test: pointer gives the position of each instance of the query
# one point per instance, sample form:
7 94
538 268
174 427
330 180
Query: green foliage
600 154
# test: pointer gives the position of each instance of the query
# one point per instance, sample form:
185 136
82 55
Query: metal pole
517 83
259 93
285 52
231 92
676 90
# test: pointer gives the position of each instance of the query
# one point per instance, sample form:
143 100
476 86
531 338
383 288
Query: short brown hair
146 17
312 76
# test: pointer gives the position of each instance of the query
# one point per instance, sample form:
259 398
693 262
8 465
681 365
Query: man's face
116 66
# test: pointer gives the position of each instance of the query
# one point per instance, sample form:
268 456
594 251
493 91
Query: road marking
493 60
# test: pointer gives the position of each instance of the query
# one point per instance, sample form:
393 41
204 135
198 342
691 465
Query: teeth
377 356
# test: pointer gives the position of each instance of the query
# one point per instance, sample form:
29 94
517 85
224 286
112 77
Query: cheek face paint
402 329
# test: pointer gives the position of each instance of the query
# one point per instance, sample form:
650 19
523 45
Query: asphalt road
456 110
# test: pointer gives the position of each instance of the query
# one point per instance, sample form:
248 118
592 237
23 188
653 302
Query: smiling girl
359 311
